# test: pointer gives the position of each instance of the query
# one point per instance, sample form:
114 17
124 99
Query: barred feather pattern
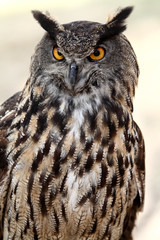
72 168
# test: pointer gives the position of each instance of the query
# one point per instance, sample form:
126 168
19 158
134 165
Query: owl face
82 58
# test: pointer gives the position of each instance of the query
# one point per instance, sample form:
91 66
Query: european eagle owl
71 155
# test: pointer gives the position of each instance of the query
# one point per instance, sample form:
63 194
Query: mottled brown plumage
71 155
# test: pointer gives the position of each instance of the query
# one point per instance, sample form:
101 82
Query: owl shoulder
7 113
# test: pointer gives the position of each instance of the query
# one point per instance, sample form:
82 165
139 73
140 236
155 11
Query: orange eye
98 54
57 55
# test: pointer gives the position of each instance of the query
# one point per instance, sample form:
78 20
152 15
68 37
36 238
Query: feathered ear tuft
48 24
117 24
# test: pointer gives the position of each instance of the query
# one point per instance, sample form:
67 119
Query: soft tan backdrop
19 33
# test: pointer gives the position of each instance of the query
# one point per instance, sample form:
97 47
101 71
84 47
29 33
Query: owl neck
40 118
36 111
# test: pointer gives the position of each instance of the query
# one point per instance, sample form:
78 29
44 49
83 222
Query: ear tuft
48 24
116 24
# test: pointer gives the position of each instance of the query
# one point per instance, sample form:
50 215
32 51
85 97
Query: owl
71 155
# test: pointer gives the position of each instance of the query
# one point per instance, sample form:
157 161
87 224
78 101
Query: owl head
86 59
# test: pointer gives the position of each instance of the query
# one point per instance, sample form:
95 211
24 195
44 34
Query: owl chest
75 185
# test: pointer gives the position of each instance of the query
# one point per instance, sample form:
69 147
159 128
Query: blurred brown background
19 33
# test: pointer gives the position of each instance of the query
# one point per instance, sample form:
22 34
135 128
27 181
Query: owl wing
139 164
139 171
7 113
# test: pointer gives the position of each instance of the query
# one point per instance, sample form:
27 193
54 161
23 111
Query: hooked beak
73 74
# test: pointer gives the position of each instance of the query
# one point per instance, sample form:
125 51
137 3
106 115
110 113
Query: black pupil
60 54
96 53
